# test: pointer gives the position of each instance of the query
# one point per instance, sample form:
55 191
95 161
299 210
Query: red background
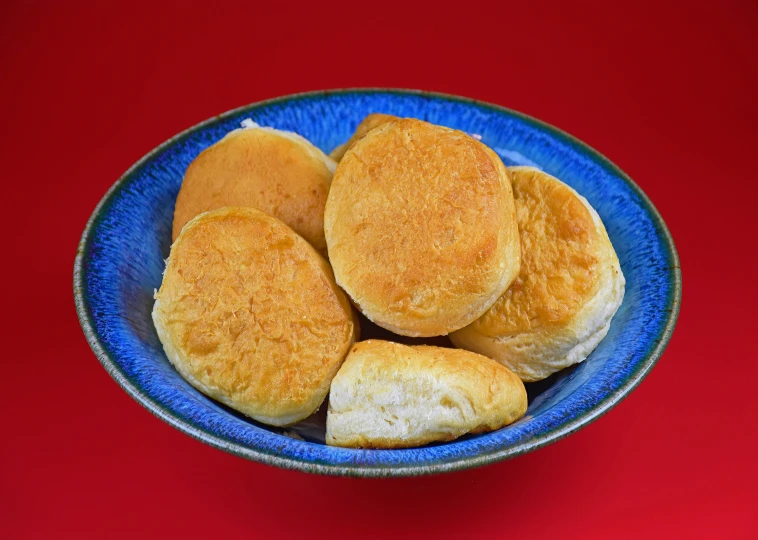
666 91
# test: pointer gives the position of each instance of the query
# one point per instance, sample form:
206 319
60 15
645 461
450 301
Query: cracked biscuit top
249 313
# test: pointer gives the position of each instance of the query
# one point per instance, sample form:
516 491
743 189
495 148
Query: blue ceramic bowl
120 261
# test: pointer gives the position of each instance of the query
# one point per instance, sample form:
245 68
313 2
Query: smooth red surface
666 91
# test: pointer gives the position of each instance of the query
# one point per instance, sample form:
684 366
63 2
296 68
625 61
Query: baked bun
570 285
421 227
250 315
278 172
372 121
388 395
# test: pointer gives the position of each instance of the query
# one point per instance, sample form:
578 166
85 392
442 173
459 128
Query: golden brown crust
388 395
561 249
569 286
372 121
421 227
249 313
281 174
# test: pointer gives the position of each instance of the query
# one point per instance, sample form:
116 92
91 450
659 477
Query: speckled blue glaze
120 262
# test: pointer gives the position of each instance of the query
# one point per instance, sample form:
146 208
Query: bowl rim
157 409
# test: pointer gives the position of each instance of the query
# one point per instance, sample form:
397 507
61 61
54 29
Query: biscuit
421 228
373 120
250 315
388 395
570 285
278 172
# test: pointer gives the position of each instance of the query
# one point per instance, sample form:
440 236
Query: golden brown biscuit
249 314
277 172
570 285
421 227
388 395
373 120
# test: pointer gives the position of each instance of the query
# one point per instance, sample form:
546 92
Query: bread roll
421 227
570 285
278 172
372 121
250 315
388 395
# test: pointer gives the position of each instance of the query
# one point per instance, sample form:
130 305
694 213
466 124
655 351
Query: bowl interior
121 260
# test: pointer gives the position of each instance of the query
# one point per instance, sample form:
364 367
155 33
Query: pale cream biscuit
388 395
